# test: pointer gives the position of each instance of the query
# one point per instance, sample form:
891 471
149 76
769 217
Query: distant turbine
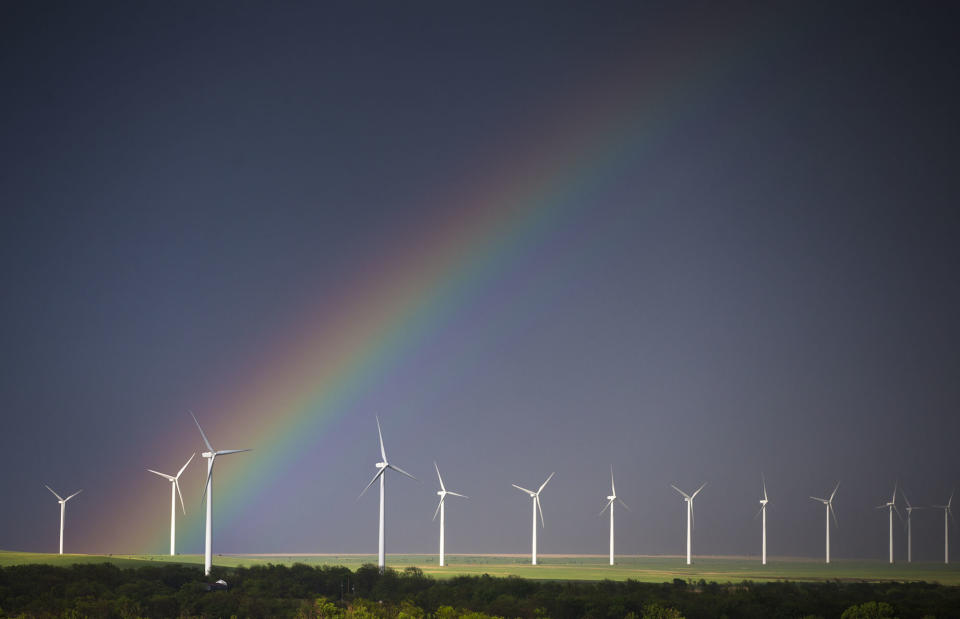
383 466
909 508
688 498
536 506
174 491
946 527
891 506
763 512
63 510
828 505
443 492
610 500
210 455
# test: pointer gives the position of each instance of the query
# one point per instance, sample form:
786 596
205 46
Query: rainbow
327 359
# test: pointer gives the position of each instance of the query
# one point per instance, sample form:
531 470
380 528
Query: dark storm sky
763 279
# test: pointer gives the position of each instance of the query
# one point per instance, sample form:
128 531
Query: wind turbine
211 455
946 527
381 475
909 508
443 492
891 506
174 491
763 512
688 498
610 500
536 506
63 510
828 505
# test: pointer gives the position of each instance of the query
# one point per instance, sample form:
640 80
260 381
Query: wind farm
670 244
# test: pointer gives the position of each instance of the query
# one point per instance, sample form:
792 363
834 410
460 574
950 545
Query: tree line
104 590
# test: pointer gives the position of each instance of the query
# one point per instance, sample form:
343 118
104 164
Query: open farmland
640 568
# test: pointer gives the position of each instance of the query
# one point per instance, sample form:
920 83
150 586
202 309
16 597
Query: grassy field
646 569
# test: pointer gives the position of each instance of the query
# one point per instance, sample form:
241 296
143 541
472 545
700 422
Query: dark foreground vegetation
303 591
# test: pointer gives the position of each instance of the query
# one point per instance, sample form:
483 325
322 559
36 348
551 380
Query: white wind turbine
610 500
763 512
688 498
946 527
63 510
210 455
891 506
443 492
536 506
909 508
828 504
381 475
174 492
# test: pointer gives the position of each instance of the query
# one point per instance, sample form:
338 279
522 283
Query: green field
646 569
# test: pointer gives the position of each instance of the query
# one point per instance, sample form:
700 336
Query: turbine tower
211 455
63 510
763 512
947 512
891 506
828 505
174 492
909 508
443 492
688 498
536 506
381 475
610 500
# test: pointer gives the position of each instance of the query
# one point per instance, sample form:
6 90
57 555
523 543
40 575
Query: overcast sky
741 258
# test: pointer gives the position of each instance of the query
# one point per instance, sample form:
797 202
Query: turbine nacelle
381 465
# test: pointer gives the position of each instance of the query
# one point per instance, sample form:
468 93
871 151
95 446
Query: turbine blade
950 500
164 475
759 511
834 514
438 475
176 483
834 491
764 480
400 470
694 495
72 495
693 521
680 491
383 452
375 478
899 515
905 499
544 484
620 501
609 503
462 496
530 492
536 500
224 452
213 459
59 498
612 487
816 498
206 442
437 511
184 467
